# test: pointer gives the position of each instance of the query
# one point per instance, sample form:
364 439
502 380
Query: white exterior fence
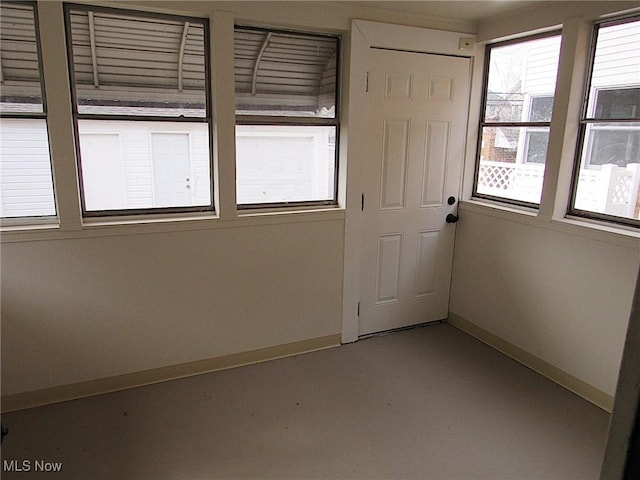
611 189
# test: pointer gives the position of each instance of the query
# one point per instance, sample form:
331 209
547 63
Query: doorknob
451 218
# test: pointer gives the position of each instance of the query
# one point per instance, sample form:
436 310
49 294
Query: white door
171 169
102 171
417 130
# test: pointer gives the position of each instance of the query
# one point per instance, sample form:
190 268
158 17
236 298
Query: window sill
594 230
498 209
125 226
288 210
10 227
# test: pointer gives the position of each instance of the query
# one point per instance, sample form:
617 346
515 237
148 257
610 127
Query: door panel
394 163
417 127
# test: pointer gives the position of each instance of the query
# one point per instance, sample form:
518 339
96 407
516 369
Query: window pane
512 163
610 173
281 164
623 103
519 73
608 179
20 72
138 65
139 165
615 91
541 108
287 74
25 169
613 144
26 182
537 142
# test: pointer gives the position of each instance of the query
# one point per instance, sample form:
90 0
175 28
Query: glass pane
138 65
20 72
541 108
537 142
279 164
512 163
620 104
25 169
522 81
613 144
615 83
139 165
610 170
285 73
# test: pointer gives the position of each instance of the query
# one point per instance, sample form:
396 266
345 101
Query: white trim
223 96
154 223
62 393
591 229
53 46
579 387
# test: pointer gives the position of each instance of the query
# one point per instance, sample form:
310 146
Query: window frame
586 122
208 117
35 219
526 125
300 121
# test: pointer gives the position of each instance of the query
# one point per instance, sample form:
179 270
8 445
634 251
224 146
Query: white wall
561 297
79 309
86 301
559 290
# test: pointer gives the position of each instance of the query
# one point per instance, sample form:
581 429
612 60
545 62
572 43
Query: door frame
364 35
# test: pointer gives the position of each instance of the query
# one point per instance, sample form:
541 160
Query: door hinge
358 308
366 89
362 203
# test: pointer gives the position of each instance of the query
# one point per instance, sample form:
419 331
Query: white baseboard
21 401
562 378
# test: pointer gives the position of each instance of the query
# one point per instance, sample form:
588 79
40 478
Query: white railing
612 190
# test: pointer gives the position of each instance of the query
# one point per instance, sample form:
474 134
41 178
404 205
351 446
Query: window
519 84
142 111
26 179
607 179
286 118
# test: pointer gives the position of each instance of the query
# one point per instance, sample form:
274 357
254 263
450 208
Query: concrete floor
427 403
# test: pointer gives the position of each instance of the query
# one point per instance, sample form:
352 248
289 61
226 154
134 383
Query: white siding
25 169
137 161
618 59
284 164
541 67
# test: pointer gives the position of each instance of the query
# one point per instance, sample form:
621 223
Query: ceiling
468 10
